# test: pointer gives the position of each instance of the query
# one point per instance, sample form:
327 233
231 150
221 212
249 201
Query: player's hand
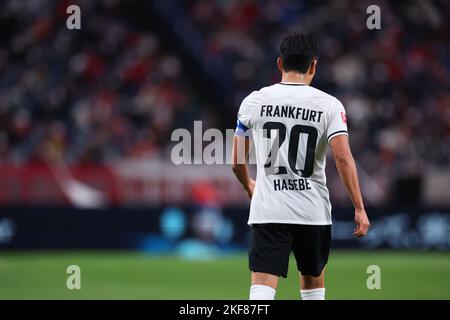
362 223
250 188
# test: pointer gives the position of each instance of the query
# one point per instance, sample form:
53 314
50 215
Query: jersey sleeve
337 121
244 116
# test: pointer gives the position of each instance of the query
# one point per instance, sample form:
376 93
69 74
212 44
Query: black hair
297 52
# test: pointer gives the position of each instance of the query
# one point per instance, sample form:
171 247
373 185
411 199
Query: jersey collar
292 83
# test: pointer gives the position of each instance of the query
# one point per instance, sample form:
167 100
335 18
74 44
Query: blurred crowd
113 91
103 93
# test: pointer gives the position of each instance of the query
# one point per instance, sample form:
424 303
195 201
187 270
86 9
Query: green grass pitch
129 275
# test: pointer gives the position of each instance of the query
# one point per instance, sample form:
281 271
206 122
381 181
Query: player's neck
295 77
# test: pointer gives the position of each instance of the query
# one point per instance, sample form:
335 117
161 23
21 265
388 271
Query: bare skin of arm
239 163
346 167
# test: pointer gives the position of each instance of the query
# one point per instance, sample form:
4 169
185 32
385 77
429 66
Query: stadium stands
115 91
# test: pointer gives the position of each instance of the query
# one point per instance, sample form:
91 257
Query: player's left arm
242 142
239 163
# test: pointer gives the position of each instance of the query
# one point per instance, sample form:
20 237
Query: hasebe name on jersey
291 184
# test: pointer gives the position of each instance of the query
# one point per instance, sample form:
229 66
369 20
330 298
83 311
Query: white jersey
291 125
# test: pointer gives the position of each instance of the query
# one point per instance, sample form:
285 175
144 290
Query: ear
312 67
280 64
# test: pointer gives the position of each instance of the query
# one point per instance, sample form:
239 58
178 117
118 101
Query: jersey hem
320 223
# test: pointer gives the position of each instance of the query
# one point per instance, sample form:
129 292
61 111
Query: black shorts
271 245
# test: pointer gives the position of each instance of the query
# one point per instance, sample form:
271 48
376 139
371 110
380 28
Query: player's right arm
346 167
337 136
